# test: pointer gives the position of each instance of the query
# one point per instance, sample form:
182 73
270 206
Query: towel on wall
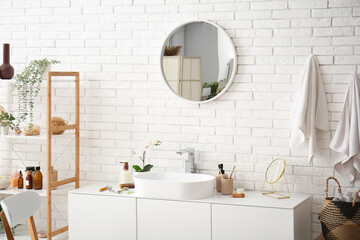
346 141
310 112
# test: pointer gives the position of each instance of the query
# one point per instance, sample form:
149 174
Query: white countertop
252 198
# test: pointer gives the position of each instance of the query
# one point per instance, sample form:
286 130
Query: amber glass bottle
29 180
38 179
20 181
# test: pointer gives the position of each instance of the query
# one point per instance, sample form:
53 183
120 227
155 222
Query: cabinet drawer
175 220
251 223
101 217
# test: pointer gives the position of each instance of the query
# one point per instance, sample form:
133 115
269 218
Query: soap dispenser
219 176
126 176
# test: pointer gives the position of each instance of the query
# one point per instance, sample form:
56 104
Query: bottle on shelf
29 178
38 179
32 168
14 180
20 181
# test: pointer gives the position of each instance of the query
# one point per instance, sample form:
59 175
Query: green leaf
147 167
27 85
137 168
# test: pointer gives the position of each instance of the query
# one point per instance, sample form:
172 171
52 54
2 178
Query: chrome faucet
190 162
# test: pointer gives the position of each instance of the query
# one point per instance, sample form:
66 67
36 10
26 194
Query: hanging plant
27 85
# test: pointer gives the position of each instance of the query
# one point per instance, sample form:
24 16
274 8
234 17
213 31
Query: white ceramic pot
137 173
4 184
5 130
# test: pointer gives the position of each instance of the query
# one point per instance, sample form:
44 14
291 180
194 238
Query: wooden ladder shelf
50 184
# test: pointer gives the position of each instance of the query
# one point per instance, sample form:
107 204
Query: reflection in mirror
198 61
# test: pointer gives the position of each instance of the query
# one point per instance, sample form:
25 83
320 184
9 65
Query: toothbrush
222 176
232 172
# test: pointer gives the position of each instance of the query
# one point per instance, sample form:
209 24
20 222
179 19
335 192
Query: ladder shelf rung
59 230
63 128
63 74
63 182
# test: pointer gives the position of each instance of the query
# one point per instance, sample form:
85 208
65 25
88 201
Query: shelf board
42 192
38 137
42 136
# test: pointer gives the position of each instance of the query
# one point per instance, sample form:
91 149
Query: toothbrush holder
227 186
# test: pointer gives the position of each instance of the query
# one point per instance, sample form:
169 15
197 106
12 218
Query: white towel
310 110
346 141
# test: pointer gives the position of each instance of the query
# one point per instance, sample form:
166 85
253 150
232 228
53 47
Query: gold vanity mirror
275 184
198 61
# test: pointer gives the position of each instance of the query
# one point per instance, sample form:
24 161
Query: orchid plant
142 156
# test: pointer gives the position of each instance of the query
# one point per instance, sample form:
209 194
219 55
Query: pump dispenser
126 176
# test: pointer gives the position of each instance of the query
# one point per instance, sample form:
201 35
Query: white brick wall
115 45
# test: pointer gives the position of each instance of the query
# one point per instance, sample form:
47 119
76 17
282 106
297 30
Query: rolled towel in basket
346 197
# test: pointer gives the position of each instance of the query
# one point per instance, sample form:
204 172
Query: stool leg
32 228
6 225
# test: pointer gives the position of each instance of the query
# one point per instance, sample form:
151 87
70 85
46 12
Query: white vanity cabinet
101 217
107 216
175 220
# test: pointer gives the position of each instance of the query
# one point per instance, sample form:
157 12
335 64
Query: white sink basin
181 186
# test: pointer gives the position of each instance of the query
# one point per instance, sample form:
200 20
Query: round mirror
275 170
198 61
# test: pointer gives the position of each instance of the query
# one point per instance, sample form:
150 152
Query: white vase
5 130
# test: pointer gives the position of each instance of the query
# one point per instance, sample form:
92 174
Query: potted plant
6 122
212 89
27 85
142 156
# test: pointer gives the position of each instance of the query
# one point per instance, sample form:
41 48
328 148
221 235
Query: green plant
214 86
142 157
7 119
27 85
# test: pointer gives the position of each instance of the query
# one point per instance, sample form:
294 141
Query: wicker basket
340 220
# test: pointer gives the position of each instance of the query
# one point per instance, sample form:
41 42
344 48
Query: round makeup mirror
275 170
198 61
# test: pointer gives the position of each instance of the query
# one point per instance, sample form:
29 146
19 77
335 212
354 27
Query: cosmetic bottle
14 180
20 181
126 176
220 176
38 179
28 179
32 168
